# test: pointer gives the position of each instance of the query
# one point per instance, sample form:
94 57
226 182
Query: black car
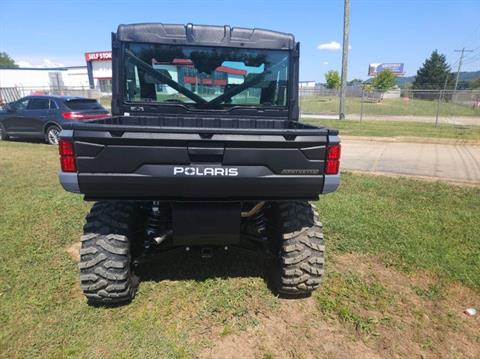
43 116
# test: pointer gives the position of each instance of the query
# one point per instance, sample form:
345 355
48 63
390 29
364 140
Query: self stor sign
98 56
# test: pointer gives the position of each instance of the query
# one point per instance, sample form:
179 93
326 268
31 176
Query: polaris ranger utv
203 150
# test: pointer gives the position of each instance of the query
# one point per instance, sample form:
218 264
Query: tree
384 81
433 73
475 84
332 79
6 61
355 82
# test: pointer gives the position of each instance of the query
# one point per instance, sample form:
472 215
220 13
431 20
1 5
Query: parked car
44 116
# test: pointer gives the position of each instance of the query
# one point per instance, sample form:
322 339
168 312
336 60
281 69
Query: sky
57 33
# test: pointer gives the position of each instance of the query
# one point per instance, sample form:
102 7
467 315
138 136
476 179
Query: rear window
83 104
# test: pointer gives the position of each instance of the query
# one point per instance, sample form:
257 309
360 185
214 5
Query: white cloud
51 63
325 63
41 63
24 63
332 45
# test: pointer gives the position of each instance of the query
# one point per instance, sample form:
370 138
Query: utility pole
441 95
462 51
346 31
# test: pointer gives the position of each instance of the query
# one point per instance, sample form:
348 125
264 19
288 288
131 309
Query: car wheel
3 134
52 135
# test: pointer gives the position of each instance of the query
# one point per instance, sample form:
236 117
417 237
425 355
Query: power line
462 51
473 54
472 60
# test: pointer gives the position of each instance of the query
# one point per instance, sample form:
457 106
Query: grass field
402 266
397 128
388 107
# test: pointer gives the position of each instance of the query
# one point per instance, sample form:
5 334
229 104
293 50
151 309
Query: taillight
332 165
83 116
65 148
70 115
67 155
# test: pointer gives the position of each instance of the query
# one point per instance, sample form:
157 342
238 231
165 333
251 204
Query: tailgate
202 165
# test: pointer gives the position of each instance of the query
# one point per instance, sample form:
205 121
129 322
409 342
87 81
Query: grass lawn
388 107
403 264
397 128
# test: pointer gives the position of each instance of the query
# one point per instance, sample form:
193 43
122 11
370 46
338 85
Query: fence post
361 105
438 107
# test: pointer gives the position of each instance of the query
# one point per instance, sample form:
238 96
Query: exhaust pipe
159 239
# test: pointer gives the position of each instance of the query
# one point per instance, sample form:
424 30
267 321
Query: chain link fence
461 108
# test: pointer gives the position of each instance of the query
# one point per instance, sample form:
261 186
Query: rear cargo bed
183 124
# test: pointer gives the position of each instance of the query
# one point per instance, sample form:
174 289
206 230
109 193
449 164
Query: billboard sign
396 68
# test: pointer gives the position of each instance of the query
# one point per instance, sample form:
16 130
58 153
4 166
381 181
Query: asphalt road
453 162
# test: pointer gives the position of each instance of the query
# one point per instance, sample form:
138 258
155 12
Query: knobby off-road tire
106 274
299 247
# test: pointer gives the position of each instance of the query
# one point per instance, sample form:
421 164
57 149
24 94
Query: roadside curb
429 140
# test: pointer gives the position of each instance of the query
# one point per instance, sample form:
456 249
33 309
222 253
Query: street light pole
346 31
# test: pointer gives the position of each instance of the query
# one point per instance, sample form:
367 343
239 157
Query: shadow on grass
179 265
235 263
182 265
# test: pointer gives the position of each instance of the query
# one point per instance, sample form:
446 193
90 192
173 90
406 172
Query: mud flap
206 223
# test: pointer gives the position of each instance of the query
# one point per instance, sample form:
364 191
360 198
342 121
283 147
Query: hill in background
464 76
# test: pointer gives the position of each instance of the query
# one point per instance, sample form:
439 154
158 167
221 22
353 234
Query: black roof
205 35
57 97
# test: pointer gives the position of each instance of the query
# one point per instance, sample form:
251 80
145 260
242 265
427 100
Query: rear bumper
158 182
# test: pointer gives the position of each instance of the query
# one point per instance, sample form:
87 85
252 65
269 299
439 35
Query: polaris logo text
206 171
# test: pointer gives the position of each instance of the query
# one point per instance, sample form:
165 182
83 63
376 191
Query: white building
306 84
99 67
45 78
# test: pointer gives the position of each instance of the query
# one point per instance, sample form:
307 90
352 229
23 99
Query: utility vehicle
204 150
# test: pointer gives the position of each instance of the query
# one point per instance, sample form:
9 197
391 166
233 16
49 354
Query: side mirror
9 108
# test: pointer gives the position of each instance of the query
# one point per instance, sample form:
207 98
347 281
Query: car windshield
207 77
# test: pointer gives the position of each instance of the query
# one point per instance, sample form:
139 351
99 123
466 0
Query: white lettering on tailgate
205 171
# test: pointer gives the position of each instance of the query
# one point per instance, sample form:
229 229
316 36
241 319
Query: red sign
98 56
